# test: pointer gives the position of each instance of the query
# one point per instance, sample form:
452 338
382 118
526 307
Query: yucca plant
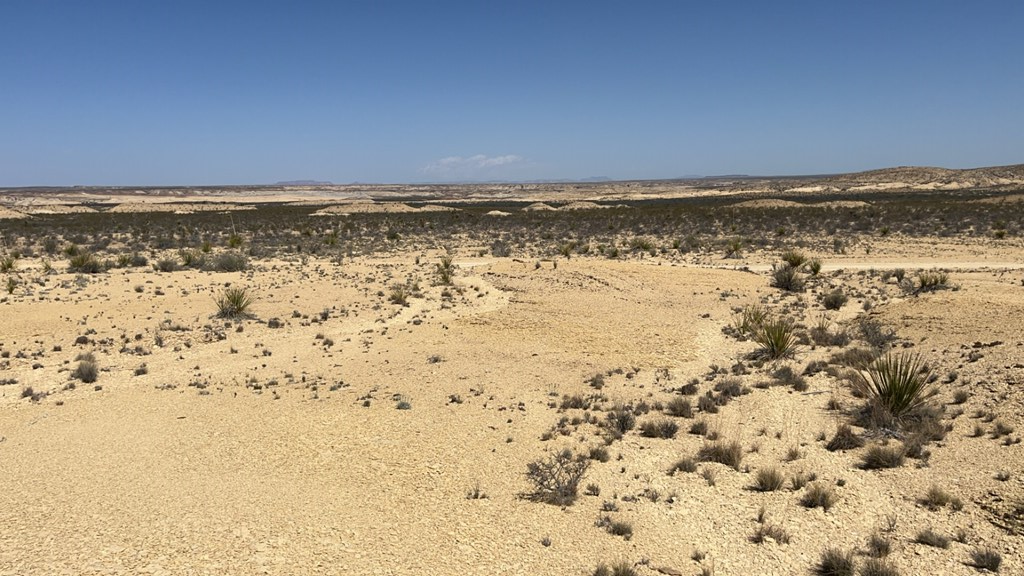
445 271
7 263
897 383
776 338
751 318
234 303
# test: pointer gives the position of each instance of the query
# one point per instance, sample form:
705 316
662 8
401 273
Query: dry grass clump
87 370
679 407
986 559
878 457
844 439
659 429
728 453
769 480
818 494
878 567
929 537
788 278
618 569
683 465
835 562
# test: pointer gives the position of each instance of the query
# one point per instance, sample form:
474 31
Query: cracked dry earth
247 449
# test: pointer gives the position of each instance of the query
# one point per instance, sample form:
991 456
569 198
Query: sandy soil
243 448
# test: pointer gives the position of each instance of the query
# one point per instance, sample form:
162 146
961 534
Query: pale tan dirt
379 208
7 213
178 207
233 455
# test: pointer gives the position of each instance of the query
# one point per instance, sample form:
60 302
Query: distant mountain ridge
304 183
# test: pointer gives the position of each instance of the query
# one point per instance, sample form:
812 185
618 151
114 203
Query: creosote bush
556 479
234 302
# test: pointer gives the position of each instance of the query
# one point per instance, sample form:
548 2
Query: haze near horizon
122 93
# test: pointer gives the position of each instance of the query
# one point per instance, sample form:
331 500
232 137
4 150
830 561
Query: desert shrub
7 263
936 498
399 295
835 562
616 527
777 338
774 532
500 249
699 428
445 271
229 262
87 369
878 567
556 479
750 319
137 260
929 281
599 453
929 537
878 546
897 384
794 258
834 300
787 278
734 248
706 403
679 407
620 420
818 494
986 559
872 332
659 429
690 388
844 439
191 259
769 480
814 266
683 465
728 453
786 376
166 265
854 357
877 457
234 302
618 569
84 263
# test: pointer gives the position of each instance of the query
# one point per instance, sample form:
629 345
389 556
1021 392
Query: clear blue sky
206 92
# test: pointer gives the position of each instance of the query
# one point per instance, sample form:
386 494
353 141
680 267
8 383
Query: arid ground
390 400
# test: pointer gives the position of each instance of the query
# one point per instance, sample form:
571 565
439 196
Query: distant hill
303 183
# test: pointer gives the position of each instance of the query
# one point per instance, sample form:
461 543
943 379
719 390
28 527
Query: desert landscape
808 375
